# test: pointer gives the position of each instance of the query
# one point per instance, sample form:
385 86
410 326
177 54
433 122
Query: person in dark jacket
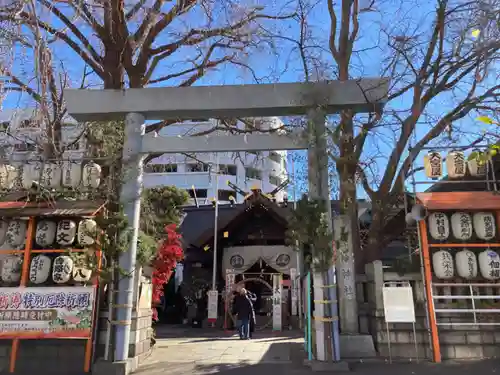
253 298
243 309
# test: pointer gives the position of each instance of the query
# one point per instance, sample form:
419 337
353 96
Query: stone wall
465 341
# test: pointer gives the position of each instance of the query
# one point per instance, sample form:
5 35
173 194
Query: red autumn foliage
169 253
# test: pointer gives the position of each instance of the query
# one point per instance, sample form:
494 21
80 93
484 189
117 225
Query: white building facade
20 132
197 173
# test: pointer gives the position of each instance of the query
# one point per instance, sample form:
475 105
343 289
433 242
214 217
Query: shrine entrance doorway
258 279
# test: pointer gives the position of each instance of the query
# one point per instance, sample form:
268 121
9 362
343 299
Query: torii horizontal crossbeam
184 103
248 142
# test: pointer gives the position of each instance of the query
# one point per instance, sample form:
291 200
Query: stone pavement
197 352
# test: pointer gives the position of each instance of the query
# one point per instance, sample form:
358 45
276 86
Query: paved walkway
197 352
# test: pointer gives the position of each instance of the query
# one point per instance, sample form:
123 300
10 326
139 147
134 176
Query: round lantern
91 175
439 226
51 175
87 230
466 264
71 174
31 173
484 225
8 175
40 269
489 265
81 274
11 269
461 226
16 233
433 164
45 233
3 230
62 270
66 232
456 164
442 262
476 166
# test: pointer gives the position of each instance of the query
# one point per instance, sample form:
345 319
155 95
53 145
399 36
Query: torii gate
181 103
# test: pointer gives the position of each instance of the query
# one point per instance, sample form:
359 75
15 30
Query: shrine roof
54 208
199 221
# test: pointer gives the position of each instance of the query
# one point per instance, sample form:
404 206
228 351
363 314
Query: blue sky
282 63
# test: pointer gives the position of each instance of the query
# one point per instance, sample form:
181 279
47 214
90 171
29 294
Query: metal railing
470 302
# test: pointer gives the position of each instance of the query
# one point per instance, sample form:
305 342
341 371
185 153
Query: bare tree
441 64
148 42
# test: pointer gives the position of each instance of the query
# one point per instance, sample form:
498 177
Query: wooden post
436 348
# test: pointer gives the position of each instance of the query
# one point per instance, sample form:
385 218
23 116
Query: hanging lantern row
467 265
51 175
61 271
463 225
63 233
456 165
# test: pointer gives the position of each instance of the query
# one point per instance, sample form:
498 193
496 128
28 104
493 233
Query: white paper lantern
91 175
456 165
442 262
489 265
433 163
439 226
45 233
71 174
87 230
466 264
32 172
484 225
3 230
81 274
51 176
11 269
477 167
8 176
66 232
461 226
16 233
62 270
40 269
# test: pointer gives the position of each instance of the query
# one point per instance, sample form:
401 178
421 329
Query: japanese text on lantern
447 264
459 163
440 223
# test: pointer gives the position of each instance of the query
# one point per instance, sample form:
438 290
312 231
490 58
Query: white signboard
212 306
294 291
398 304
277 298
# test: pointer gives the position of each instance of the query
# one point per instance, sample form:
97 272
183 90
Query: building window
25 147
253 173
228 169
200 193
160 168
274 156
223 195
197 167
273 180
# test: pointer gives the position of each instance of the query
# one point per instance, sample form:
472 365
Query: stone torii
135 106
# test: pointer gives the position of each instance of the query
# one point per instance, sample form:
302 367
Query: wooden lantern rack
451 201
32 212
